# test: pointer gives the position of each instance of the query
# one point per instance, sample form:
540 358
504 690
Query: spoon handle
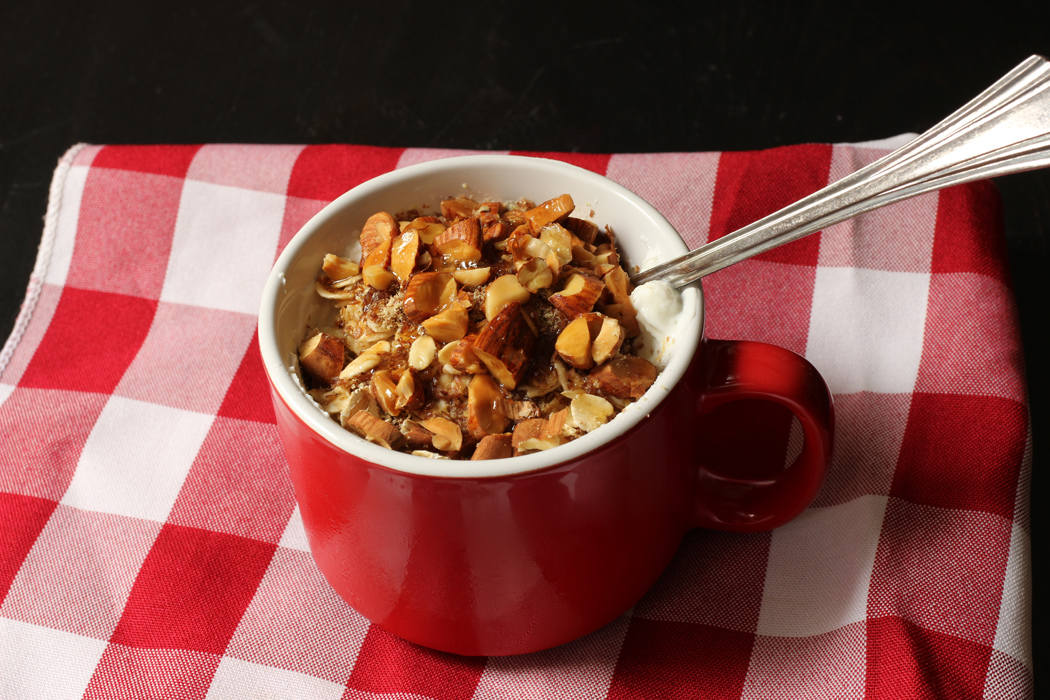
1005 129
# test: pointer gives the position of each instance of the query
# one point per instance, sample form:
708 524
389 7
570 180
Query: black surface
601 77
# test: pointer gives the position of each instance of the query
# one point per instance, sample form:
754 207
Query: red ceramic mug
516 555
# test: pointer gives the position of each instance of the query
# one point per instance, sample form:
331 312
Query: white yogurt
659 307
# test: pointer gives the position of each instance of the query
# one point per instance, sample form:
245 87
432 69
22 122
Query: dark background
598 77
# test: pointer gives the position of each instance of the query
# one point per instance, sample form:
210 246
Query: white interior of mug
290 304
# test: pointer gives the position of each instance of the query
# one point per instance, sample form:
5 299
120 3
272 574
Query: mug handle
734 370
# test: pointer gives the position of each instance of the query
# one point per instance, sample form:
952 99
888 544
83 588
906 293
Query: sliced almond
376 430
403 254
410 394
359 400
428 228
421 353
590 412
384 391
428 293
332 400
338 268
578 295
494 447
321 356
553 210
608 340
447 435
451 324
444 355
378 233
506 344
463 357
501 292
474 277
360 364
535 275
625 376
485 407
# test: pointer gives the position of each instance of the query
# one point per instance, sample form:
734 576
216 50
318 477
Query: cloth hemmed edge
43 255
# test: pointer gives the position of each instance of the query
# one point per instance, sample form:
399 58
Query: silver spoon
1005 129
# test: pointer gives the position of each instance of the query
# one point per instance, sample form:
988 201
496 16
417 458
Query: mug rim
286 385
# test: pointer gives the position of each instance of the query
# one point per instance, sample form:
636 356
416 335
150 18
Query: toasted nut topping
458 208
377 234
338 268
625 376
494 447
428 293
619 285
461 241
463 358
421 353
332 292
608 341
416 435
447 435
505 345
578 295
376 430
359 365
574 344
552 210
444 355
589 411
501 292
535 275
472 278
559 241
403 254
331 400
377 276
384 390
530 429
587 231
451 324
359 400
485 407
322 357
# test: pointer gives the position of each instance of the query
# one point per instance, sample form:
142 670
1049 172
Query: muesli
490 330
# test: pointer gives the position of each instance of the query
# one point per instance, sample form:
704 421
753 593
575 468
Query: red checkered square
782 175
27 346
250 167
173 161
42 443
907 661
946 462
680 185
248 397
325 172
681 660
715 579
829 665
128 673
45 664
298 623
595 162
238 483
819 569
869 429
388 664
22 518
973 341
188 357
1007 679
126 225
759 300
581 670
90 342
941 569
192 590
969 235
296 213
79 573
897 238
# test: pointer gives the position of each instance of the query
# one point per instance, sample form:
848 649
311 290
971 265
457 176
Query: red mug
517 555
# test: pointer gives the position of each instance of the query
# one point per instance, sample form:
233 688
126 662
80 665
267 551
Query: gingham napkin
150 544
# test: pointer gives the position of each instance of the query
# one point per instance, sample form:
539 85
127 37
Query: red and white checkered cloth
150 545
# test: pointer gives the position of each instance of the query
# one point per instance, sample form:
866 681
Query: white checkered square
680 185
253 167
298 623
52 665
1013 635
236 679
830 665
188 358
136 458
79 573
66 226
294 536
5 391
866 329
820 568
223 248
580 670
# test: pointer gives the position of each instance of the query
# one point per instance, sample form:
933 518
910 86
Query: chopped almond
494 447
338 268
384 391
535 275
587 231
377 276
421 353
485 407
321 356
527 430
403 254
376 430
451 324
473 277
501 292
458 208
559 241
447 435
410 394
608 340
416 435
428 293
625 376
461 241
505 345
551 211
463 357
574 344
578 295
378 233
619 285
